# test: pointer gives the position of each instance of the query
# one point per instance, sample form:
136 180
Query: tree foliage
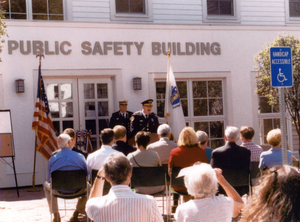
3 31
263 77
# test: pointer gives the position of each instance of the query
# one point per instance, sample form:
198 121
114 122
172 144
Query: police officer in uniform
145 120
122 117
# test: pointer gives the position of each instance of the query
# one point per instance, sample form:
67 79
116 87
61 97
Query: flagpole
40 55
167 89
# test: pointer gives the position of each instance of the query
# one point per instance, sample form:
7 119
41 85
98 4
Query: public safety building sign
281 67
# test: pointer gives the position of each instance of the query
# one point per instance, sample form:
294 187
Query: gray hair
232 133
63 140
201 181
164 130
117 167
202 136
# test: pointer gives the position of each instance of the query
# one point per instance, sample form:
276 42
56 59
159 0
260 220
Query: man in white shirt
95 160
120 204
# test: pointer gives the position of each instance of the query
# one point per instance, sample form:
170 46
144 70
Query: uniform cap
147 102
123 102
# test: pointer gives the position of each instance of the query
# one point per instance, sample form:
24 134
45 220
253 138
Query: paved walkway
31 206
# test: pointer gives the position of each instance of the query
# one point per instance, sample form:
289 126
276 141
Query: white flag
173 106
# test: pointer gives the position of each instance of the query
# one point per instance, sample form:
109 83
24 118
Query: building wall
234 65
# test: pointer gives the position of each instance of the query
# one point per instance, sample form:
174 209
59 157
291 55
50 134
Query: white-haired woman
201 181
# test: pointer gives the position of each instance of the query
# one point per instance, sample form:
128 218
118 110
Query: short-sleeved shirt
210 209
185 157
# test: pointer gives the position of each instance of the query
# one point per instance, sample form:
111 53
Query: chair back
148 176
254 170
69 180
174 180
166 171
107 185
237 177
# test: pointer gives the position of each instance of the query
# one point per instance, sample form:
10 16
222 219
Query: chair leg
65 208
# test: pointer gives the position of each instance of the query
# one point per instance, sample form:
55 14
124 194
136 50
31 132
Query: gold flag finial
169 53
40 59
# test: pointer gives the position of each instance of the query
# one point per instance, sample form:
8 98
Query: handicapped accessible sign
281 67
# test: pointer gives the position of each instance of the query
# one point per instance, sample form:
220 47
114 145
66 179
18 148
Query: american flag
45 135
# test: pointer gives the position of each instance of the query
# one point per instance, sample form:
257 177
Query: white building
95 48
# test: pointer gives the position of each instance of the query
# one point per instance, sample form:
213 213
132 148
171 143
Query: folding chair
176 181
69 180
238 178
254 173
151 176
107 185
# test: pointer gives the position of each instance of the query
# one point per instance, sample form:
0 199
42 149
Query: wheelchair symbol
281 77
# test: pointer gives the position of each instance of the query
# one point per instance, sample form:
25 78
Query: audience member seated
201 181
247 134
276 198
232 157
186 154
95 160
273 156
120 140
121 204
164 146
72 134
203 140
66 159
144 158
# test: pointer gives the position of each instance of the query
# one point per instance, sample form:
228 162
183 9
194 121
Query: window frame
235 18
191 119
133 17
29 13
288 18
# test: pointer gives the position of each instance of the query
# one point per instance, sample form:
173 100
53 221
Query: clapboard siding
262 12
91 10
177 11
251 12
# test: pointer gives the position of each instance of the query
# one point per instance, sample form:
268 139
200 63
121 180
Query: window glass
264 107
130 6
47 9
267 125
294 7
14 9
207 98
214 130
220 7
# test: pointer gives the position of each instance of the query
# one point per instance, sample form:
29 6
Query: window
47 10
203 106
294 8
131 10
220 7
130 6
14 9
292 11
39 9
221 11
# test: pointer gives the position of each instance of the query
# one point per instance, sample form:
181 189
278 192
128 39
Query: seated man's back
123 205
120 204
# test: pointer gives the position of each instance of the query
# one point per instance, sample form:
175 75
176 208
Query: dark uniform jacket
123 147
118 119
140 123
